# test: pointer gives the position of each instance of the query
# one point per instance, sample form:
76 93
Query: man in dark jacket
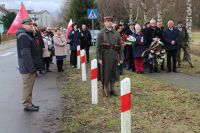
75 40
171 38
151 33
86 41
29 60
50 35
183 44
39 42
160 36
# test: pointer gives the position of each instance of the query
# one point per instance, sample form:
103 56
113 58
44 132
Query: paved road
179 79
46 94
7 45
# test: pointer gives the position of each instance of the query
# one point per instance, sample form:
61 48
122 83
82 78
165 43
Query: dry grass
191 71
157 107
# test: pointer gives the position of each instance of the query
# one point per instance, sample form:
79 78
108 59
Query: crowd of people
137 47
118 46
138 53
36 48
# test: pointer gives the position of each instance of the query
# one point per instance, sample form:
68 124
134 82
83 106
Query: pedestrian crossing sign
92 13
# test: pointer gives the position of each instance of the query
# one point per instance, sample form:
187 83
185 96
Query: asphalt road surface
46 94
179 79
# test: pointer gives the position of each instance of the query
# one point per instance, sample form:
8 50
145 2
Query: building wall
1 14
44 19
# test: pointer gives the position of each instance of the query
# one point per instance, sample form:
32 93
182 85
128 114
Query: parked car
94 37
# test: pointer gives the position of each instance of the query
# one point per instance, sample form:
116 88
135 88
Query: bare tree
189 17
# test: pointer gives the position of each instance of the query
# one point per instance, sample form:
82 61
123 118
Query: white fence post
94 87
125 105
78 57
83 65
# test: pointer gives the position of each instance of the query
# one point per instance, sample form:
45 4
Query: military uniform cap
26 20
108 18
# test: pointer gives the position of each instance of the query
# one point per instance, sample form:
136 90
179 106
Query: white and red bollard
78 57
83 65
94 87
125 105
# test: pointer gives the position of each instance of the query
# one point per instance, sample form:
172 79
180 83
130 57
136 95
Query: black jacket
29 56
75 39
169 36
85 39
150 34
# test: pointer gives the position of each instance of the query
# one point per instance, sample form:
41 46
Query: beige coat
46 52
60 45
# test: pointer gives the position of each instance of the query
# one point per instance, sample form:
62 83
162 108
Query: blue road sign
92 13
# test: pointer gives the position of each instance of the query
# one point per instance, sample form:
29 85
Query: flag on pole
69 28
17 21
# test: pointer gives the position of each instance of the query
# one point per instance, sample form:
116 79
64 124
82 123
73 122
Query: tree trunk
145 16
131 9
189 18
159 11
145 12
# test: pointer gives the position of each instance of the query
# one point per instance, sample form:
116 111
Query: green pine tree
78 10
8 19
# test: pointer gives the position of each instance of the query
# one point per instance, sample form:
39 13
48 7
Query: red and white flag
69 28
17 21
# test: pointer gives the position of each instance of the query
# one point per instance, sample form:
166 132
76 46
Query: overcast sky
53 6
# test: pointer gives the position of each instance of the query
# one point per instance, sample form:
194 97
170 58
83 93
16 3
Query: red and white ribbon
78 57
83 65
125 105
93 76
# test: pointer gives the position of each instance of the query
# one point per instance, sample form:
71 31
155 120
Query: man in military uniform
183 44
109 54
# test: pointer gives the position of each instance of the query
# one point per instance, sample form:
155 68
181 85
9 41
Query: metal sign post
92 14
93 31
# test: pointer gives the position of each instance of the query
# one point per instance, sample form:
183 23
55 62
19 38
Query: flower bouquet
157 52
128 39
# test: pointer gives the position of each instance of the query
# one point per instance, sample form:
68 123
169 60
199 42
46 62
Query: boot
59 65
107 90
112 89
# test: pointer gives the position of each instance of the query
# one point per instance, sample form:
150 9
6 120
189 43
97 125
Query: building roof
3 10
40 12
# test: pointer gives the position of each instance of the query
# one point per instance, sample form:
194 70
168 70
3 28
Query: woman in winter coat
75 40
138 49
60 50
119 29
46 50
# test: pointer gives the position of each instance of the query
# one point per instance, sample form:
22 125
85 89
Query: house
42 18
3 10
